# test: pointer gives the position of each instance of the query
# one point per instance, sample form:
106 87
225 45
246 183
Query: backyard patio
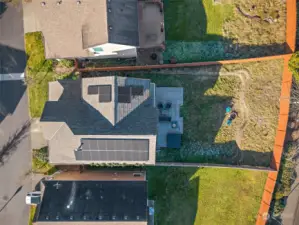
170 127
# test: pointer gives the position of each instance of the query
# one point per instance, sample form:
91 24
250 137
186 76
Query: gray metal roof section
113 150
122 19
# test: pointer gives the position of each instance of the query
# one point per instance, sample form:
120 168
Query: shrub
294 66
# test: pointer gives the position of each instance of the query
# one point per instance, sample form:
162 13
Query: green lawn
195 20
254 90
205 196
40 72
31 215
199 30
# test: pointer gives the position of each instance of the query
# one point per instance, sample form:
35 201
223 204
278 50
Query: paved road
12 55
14 176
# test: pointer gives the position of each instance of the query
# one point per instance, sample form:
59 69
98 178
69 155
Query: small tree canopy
294 66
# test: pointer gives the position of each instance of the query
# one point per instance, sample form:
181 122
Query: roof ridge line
57 131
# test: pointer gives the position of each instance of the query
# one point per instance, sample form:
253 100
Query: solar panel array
104 92
113 150
124 94
137 90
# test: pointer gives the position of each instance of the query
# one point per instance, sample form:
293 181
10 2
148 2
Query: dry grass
262 100
254 91
257 31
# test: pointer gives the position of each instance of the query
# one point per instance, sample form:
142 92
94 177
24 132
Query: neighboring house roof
95 202
94 112
70 28
123 21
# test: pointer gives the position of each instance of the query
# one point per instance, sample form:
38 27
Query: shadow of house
174 191
11 93
3 8
11 60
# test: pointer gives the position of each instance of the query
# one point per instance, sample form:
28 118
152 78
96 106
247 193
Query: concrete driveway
15 170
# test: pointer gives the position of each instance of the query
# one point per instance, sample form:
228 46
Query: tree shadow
11 145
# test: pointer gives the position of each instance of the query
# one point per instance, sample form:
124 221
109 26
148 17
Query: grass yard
254 91
40 72
206 196
199 30
31 215
195 20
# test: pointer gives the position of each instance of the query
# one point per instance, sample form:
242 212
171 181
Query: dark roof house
101 120
93 202
102 28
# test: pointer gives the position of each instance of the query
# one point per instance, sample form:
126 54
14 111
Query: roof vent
78 2
71 217
109 10
110 27
113 217
126 218
57 185
57 217
43 3
58 2
138 217
100 217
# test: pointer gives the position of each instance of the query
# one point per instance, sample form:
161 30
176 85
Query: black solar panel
137 90
105 93
93 89
113 150
124 94
112 156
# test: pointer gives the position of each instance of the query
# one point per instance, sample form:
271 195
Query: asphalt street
15 169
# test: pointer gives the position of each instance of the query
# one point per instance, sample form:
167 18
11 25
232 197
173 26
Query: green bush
284 182
294 66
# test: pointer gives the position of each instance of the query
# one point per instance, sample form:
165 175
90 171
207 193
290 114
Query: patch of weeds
40 162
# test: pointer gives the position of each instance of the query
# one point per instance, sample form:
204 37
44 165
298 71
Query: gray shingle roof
139 118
